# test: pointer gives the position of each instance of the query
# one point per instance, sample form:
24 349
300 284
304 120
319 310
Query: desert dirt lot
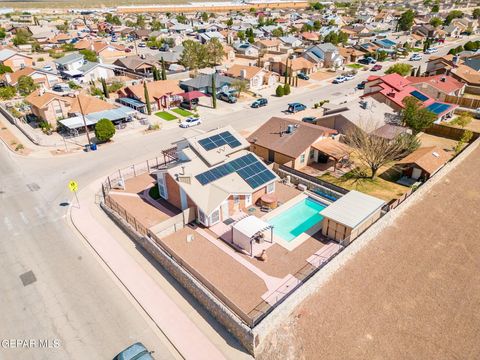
412 293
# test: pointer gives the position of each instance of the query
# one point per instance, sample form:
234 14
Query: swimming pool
297 219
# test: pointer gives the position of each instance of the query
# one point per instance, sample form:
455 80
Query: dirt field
412 293
12 141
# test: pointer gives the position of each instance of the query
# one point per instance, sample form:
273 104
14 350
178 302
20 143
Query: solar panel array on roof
419 95
215 141
248 167
437 108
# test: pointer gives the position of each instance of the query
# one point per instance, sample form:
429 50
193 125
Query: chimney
443 79
290 129
243 73
7 77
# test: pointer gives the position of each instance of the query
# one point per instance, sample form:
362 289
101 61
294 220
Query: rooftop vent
437 155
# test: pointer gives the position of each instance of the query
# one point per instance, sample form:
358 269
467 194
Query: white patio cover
251 225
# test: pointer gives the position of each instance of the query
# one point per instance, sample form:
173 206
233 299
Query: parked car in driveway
339 79
349 77
415 57
303 76
61 88
376 67
309 119
367 61
142 45
431 50
189 105
227 97
259 103
137 351
191 121
295 107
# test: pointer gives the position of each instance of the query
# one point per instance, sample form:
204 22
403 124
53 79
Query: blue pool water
297 219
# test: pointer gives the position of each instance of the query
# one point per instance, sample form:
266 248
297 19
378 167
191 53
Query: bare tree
375 151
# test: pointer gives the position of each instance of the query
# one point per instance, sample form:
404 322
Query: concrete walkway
177 327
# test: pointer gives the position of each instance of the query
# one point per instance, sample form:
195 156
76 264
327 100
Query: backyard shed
249 231
350 215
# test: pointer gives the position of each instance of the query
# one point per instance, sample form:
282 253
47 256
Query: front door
225 215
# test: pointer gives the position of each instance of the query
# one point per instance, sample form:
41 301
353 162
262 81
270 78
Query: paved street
75 298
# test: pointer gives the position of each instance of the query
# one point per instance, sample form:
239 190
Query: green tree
415 116
140 21
286 89
214 52
7 92
229 22
104 88
240 86
454 14
155 73
279 91
400 69
3 33
164 70
278 32
476 13
147 98
89 55
204 17
241 35
214 92
104 130
406 20
5 69
435 8
26 85
194 55
462 120
21 37
466 137
436 22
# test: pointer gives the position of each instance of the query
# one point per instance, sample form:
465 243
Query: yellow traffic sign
73 186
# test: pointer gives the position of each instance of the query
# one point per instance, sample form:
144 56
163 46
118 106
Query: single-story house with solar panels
351 215
216 175
392 89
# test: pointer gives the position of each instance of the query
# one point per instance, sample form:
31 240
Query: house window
270 188
248 200
302 158
215 217
162 186
312 153
236 199
201 217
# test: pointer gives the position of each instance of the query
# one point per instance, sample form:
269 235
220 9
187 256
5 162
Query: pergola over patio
333 149
250 230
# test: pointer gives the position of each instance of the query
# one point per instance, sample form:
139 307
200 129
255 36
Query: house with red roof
438 86
392 89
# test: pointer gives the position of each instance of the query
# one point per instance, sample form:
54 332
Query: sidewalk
185 336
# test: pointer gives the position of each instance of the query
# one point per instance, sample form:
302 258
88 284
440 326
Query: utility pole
84 121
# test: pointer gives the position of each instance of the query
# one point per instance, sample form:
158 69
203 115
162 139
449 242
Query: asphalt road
73 299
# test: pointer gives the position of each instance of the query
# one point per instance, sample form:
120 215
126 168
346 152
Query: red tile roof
444 83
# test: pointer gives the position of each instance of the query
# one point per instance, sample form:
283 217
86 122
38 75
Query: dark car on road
259 103
296 107
310 119
361 85
227 97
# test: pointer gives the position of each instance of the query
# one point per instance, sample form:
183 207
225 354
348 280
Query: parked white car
349 77
339 79
431 50
191 121
415 57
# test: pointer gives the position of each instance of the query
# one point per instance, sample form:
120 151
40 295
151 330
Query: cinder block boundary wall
280 314
216 308
254 339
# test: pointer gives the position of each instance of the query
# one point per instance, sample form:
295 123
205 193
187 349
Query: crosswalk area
14 223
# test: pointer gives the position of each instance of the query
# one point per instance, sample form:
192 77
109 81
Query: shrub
19 147
286 89
40 59
279 92
104 130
